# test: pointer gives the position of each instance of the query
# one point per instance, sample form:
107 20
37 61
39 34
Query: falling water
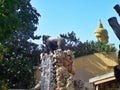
56 71
47 73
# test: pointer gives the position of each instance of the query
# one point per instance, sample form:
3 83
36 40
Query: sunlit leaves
15 14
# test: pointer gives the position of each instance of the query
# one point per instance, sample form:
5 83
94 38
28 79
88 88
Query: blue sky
80 16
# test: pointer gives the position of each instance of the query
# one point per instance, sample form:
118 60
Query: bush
91 47
3 85
16 69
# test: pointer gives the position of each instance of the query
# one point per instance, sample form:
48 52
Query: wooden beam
117 8
104 80
115 26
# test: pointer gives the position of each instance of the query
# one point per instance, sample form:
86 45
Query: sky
81 16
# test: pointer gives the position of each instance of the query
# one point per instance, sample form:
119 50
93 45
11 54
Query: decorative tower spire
100 24
101 33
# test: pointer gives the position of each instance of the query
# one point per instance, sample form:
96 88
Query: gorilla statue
53 43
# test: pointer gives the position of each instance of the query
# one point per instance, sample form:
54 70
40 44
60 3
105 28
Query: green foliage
3 85
88 47
15 14
70 38
92 47
17 64
16 70
19 22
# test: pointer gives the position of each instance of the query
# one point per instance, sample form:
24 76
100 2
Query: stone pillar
56 71
64 71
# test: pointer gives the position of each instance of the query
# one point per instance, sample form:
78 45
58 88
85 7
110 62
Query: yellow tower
101 33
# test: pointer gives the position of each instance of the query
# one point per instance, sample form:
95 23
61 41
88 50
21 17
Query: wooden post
117 8
115 26
96 87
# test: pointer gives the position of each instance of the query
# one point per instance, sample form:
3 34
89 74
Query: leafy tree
15 14
70 38
17 65
85 48
20 21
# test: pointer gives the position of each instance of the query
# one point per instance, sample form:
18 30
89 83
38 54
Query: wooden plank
104 80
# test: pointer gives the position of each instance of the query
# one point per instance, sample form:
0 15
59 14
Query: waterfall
56 71
47 75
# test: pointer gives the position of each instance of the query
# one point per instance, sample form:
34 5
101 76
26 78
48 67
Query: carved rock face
56 71
102 37
63 69
101 33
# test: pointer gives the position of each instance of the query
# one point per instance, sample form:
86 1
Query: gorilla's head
44 38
